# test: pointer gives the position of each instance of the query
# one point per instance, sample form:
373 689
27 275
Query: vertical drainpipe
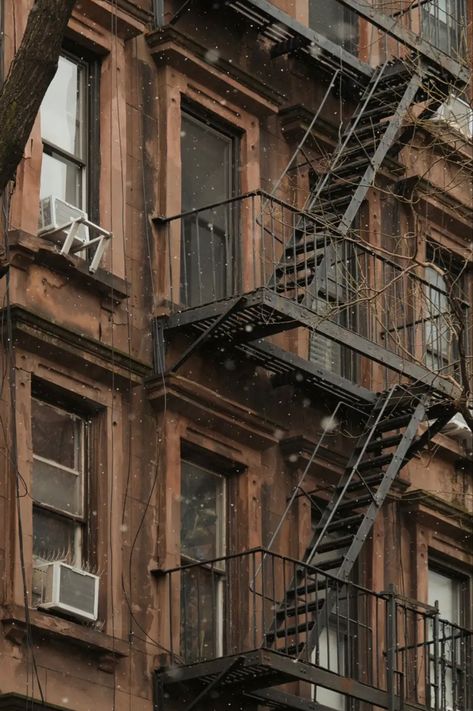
391 647
158 7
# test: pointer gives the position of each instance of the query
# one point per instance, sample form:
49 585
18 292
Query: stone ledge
18 702
184 54
41 336
441 515
107 649
205 406
26 249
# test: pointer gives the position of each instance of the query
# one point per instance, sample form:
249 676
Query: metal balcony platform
242 320
254 675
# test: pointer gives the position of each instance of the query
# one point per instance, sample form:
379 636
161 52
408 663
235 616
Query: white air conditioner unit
459 430
56 217
458 114
67 590
70 228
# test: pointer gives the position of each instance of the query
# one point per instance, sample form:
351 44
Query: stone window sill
107 650
26 249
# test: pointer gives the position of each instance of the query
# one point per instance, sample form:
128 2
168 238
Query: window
440 343
444 25
336 288
64 130
203 538
450 679
335 22
209 257
59 483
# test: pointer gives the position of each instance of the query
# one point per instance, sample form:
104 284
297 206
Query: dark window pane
57 487
202 513
335 22
54 538
56 435
208 250
201 614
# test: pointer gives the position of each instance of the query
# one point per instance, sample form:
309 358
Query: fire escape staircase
370 135
389 440
307 266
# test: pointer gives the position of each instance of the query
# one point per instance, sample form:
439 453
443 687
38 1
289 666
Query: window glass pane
202 513
54 538
58 488
201 614
335 22
61 178
206 156
208 250
446 591
331 657
56 434
62 121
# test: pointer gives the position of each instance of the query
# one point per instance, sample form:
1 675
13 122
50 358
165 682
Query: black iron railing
259 599
255 240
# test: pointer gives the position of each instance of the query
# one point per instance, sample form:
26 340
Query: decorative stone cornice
42 337
440 515
169 46
129 19
213 411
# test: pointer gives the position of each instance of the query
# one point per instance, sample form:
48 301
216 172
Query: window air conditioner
458 429
67 590
69 227
458 114
55 218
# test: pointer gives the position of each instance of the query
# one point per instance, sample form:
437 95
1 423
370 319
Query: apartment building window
449 592
335 22
441 347
59 485
444 25
64 112
203 538
209 259
336 289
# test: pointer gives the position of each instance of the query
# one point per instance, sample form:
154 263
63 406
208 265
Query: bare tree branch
30 74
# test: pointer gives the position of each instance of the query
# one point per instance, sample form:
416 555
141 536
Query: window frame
218 126
349 17
463 582
80 554
216 571
442 359
432 26
89 161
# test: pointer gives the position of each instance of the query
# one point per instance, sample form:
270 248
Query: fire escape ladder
381 451
369 136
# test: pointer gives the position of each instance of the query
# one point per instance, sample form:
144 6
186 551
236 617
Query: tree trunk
30 74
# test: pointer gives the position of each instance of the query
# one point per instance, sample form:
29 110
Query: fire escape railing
227 249
234 604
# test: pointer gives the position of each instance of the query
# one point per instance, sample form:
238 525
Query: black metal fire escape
369 136
389 439
391 434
